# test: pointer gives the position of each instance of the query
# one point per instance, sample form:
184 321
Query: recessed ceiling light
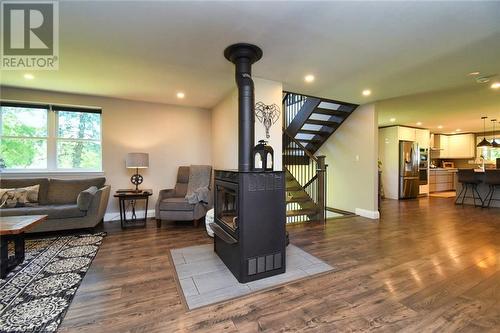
474 73
392 120
458 130
495 85
180 94
29 76
419 123
366 92
440 126
309 78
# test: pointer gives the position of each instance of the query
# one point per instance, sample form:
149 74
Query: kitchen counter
482 189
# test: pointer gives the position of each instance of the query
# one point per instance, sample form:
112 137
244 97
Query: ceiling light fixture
309 78
495 85
392 120
440 126
180 95
419 123
494 143
366 92
483 79
484 142
474 73
29 76
458 130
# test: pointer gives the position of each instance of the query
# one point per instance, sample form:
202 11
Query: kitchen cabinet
406 133
455 146
423 138
442 180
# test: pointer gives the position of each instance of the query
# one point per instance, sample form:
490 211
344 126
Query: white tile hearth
205 280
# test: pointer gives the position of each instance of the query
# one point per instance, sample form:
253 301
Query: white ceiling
151 50
459 108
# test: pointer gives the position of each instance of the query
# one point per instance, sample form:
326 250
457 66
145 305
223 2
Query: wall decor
267 115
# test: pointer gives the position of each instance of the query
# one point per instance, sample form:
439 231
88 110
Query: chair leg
460 194
486 198
465 194
478 196
492 194
158 223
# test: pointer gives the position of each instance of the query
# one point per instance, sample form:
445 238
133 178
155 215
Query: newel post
321 170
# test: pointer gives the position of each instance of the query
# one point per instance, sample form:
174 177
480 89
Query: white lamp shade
137 160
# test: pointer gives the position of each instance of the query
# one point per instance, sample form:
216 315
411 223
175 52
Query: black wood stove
250 217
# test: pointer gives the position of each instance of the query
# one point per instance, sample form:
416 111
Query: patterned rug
35 296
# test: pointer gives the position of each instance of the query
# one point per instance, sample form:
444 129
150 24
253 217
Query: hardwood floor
427 265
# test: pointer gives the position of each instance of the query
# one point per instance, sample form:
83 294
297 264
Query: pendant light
484 143
494 143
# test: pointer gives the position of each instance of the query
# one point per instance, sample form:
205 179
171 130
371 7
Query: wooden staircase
308 123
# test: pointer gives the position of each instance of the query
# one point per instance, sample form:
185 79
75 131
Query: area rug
35 296
205 280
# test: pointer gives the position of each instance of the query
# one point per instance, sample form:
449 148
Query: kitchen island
483 189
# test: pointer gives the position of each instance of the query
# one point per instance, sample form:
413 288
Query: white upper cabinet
406 133
456 146
423 138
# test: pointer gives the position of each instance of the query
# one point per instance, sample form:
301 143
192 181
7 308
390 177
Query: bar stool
492 179
469 181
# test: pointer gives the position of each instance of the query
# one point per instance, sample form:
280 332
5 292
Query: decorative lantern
263 157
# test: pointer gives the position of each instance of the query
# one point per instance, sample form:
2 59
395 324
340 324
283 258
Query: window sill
50 174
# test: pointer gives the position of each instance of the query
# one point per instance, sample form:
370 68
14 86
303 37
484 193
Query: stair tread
294 188
306 131
322 122
299 212
298 199
330 112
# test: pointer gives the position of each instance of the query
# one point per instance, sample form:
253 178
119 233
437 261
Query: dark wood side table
128 199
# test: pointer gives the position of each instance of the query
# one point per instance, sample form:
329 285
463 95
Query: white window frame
52 139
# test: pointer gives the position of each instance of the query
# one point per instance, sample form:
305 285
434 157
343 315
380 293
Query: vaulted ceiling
151 50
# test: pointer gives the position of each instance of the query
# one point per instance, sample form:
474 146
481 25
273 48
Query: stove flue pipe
243 56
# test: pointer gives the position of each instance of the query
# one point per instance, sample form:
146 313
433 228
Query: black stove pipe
243 56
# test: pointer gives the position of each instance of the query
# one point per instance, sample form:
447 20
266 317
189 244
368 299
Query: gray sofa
69 203
173 206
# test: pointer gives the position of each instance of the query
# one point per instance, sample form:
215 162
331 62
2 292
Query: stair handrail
297 142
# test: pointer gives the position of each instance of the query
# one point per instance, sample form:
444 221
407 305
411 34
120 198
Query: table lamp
137 161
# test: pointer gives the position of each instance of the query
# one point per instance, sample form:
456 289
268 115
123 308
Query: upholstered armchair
172 204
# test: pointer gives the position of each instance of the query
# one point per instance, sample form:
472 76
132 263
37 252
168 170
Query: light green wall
351 154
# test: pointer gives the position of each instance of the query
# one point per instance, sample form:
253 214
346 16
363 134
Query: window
489 154
50 138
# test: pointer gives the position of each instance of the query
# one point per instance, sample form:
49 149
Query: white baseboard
371 214
115 216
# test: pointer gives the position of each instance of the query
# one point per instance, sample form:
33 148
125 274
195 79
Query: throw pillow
19 197
85 198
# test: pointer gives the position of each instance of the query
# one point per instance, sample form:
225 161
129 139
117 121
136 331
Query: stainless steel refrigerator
408 169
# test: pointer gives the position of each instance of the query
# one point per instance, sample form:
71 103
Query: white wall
172 135
389 156
351 154
225 125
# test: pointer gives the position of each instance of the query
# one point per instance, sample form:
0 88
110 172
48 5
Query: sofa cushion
179 204
65 191
18 183
53 211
